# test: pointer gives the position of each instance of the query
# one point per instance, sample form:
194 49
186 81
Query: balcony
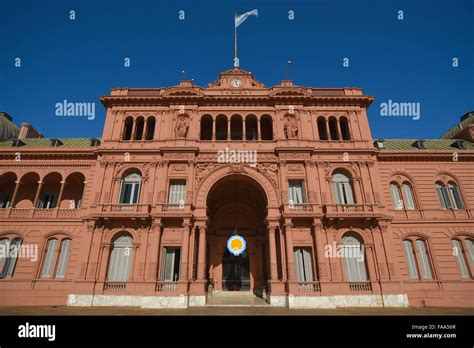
309 287
115 286
166 286
302 210
120 210
360 286
352 211
39 214
172 210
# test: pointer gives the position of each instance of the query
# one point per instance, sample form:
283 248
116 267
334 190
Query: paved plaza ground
28 311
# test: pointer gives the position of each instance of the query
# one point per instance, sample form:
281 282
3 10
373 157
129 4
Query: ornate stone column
185 251
321 259
15 193
38 191
60 195
289 251
202 252
273 256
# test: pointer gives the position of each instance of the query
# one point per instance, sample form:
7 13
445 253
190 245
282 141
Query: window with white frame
130 190
402 198
342 189
296 192
177 193
303 264
459 254
354 259
411 260
449 196
170 264
9 257
417 258
120 261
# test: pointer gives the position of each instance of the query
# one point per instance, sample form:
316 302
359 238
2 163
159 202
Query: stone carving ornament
290 127
182 126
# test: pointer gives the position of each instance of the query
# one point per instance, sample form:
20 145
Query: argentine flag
240 19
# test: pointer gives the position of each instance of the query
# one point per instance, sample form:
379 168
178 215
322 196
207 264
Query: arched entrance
237 204
235 272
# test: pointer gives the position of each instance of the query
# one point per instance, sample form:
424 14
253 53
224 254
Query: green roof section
46 143
467 119
431 145
8 130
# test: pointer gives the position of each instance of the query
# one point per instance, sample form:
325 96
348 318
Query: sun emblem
236 245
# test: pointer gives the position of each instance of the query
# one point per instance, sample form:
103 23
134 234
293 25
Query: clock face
236 83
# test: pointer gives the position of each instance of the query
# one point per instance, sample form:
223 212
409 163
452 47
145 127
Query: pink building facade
330 217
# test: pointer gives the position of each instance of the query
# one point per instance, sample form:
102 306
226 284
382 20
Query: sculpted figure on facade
291 127
182 126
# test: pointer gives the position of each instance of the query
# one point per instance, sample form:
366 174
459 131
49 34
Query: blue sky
405 61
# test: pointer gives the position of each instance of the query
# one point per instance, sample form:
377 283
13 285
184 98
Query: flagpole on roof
236 60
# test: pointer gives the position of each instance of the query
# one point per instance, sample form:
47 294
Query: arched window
342 189
56 258
344 124
236 127
127 129
120 259
354 259
221 127
139 125
450 196
417 257
461 254
130 191
8 260
266 127
251 128
206 127
399 203
150 128
323 134
333 128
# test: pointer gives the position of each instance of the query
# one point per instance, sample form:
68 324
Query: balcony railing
119 210
351 210
301 209
115 286
38 213
171 209
166 286
309 287
360 286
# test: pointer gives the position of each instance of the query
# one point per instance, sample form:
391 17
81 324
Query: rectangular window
130 192
425 263
303 264
408 195
410 257
170 264
455 197
120 264
469 244
10 261
296 192
443 197
396 201
177 193
49 259
63 258
460 259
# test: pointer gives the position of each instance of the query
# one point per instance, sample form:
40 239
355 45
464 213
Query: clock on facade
236 83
